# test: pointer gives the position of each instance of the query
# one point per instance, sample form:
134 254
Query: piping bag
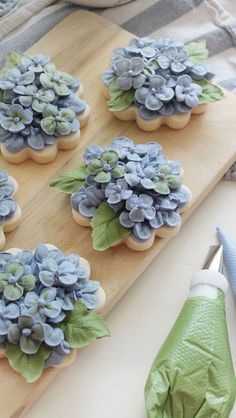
192 375
229 257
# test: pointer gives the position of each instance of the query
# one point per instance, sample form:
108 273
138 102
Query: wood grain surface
82 44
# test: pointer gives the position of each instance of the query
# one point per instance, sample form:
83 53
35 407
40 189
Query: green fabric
192 375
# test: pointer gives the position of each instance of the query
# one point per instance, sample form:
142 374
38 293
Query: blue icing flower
73 102
8 312
138 209
35 63
174 59
107 76
27 333
186 91
31 96
130 73
86 200
52 273
137 175
86 291
52 336
143 46
17 119
156 94
14 78
92 153
118 191
44 304
166 214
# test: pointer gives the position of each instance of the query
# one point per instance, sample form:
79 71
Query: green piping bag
192 375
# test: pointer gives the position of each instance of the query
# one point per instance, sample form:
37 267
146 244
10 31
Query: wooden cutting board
82 44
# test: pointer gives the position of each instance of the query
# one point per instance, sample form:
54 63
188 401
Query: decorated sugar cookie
41 109
10 212
159 81
47 306
127 193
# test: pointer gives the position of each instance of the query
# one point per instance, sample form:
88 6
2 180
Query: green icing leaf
70 182
210 92
119 99
106 228
30 366
197 51
81 326
12 60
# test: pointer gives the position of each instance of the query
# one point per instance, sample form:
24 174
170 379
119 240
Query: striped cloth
24 22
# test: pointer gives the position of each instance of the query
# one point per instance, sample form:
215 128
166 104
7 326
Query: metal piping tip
214 259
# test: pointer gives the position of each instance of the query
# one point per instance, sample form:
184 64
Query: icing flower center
160 175
12 280
130 72
17 119
2 316
106 167
56 77
118 188
26 332
41 303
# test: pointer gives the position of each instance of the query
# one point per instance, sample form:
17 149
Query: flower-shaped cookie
40 111
127 193
10 212
47 304
159 81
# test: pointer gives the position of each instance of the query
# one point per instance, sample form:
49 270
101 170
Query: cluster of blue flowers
39 104
138 183
37 290
159 73
8 205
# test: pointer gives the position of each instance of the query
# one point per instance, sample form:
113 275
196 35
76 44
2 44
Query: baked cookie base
176 121
131 241
50 152
13 222
69 358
